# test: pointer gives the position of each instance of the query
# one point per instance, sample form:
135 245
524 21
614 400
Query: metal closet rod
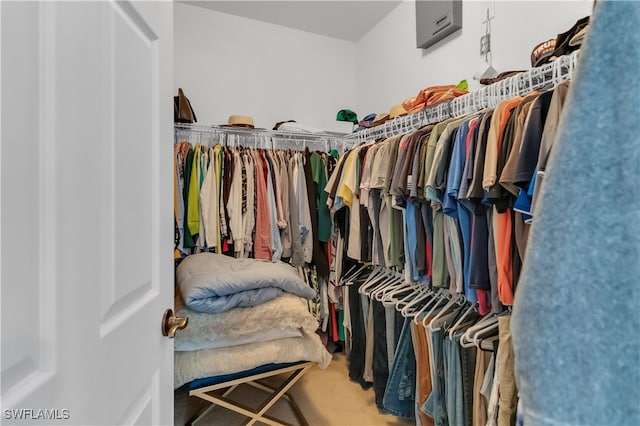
260 133
542 77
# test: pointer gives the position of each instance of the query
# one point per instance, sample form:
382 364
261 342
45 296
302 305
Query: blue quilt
215 283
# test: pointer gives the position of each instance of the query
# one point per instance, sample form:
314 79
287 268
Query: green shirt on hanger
320 179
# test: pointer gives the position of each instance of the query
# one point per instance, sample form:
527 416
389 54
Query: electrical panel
435 20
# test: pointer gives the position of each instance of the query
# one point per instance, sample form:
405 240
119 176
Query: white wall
231 65
390 68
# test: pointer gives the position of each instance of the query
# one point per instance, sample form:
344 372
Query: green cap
347 115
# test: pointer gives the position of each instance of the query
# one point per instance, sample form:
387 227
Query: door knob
172 323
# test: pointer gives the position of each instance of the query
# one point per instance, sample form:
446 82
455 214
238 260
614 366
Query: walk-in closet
360 213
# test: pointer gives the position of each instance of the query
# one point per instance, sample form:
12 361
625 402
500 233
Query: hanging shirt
476 192
350 190
210 206
344 194
508 172
203 164
499 119
262 238
501 218
193 214
332 184
458 228
304 218
320 179
220 173
188 238
180 152
297 251
249 216
442 263
548 135
234 205
276 244
465 210
285 233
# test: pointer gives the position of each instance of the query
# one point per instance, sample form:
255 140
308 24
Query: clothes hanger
415 288
380 284
374 278
472 308
408 305
346 276
433 305
383 294
467 339
445 111
456 312
391 281
487 344
485 332
419 294
455 300
414 306
389 284
400 285
496 91
504 93
391 294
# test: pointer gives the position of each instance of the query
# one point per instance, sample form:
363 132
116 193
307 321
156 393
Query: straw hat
380 118
397 111
240 121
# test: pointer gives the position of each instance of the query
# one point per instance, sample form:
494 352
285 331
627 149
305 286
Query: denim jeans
453 380
356 357
468 372
390 317
380 359
399 395
435 406
367 375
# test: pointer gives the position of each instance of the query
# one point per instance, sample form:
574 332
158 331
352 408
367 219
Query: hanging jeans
435 406
356 357
390 321
468 371
399 395
423 371
453 380
380 357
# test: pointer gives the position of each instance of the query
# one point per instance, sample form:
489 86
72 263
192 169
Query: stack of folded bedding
243 313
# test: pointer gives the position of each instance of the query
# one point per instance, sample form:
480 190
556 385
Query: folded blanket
279 318
193 365
215 283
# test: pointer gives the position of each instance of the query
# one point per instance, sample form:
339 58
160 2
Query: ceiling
346 20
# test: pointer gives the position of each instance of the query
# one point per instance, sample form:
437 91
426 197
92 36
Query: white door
86 212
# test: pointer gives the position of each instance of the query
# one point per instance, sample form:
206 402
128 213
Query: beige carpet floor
326 397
